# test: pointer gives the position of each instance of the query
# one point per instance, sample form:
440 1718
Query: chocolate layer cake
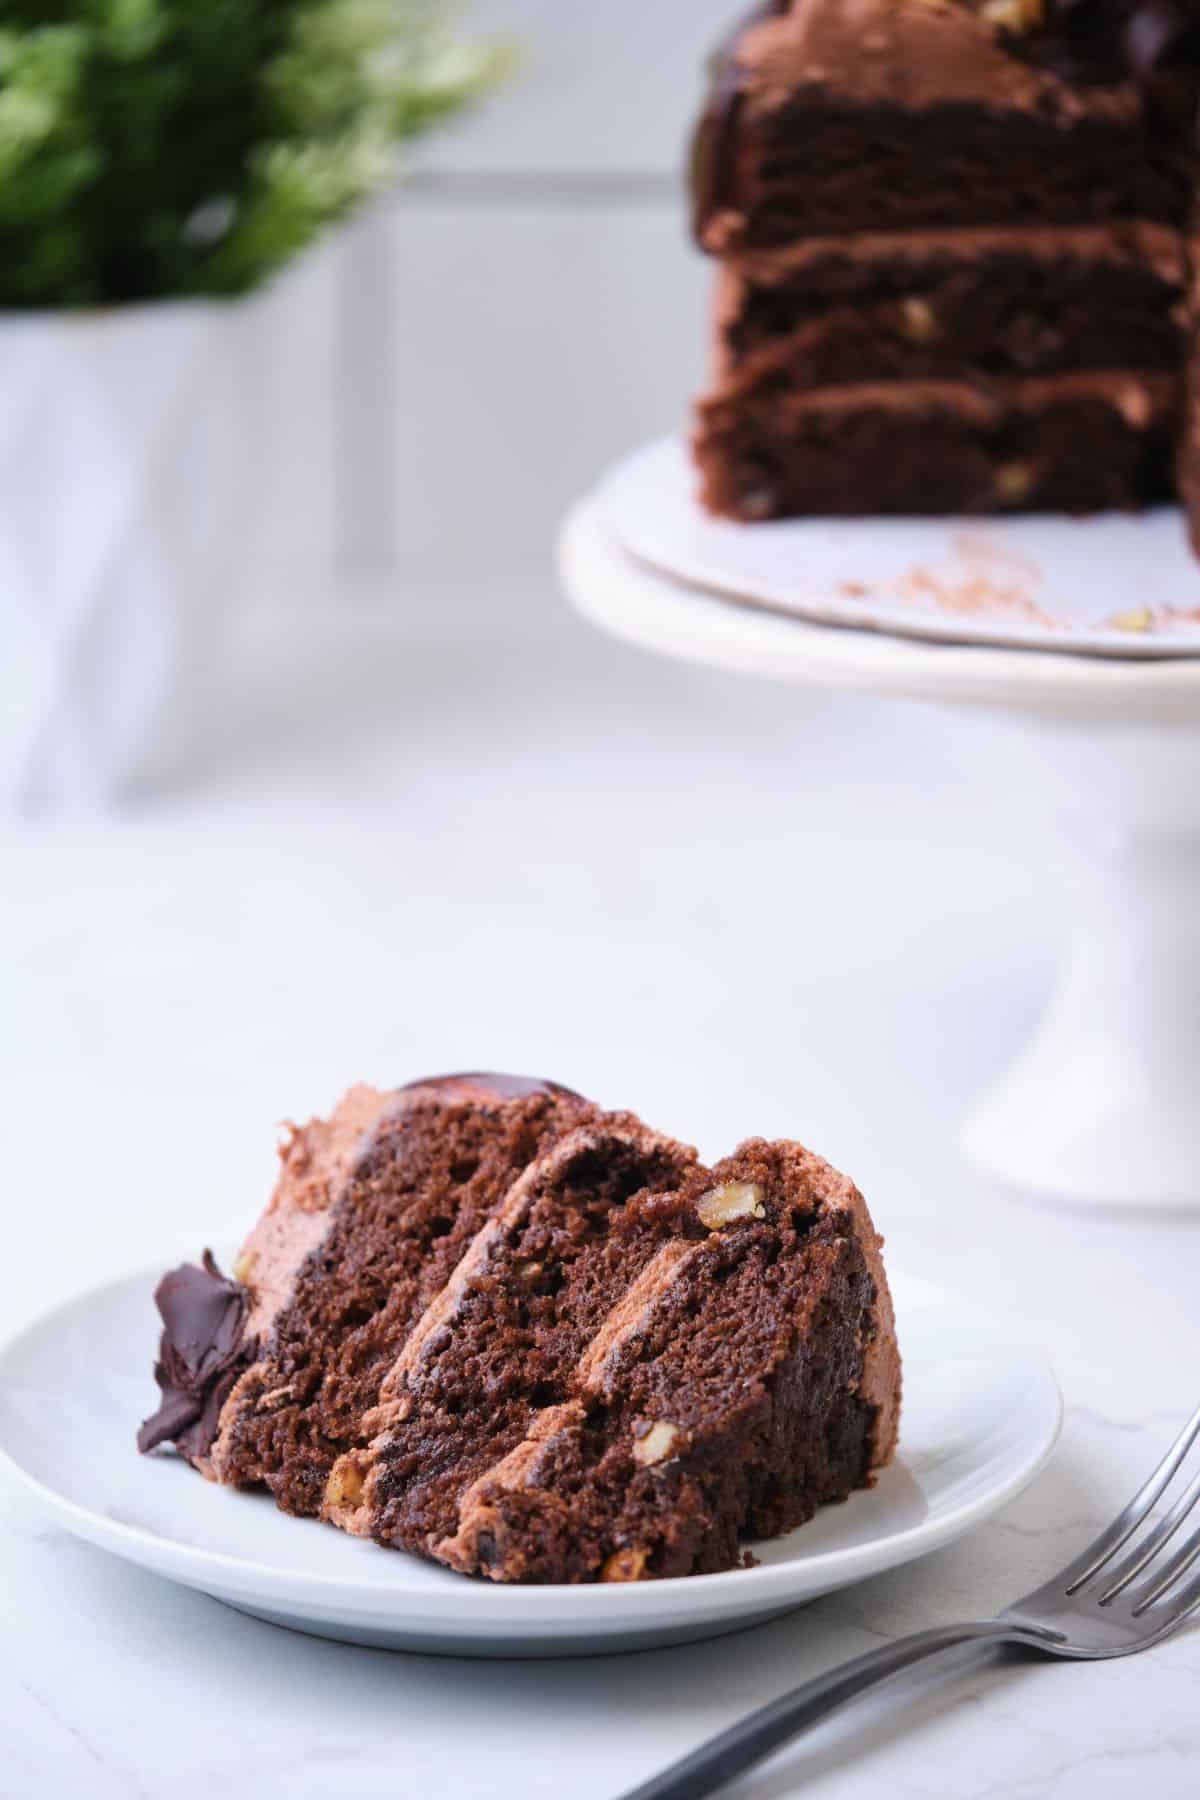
954 249
485 1321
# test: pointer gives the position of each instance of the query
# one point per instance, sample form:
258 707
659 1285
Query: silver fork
1103 1604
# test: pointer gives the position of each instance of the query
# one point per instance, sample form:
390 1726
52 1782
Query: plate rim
728 1591
888 619
652 612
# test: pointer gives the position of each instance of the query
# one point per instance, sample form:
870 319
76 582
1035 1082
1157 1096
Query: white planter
138 496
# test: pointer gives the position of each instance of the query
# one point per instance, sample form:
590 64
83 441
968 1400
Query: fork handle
745 1744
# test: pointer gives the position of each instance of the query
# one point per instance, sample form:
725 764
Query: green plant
170 147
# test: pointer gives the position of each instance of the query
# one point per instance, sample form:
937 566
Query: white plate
982 1414
1037 580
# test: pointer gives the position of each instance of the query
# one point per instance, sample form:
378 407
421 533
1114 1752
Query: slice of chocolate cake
954 269
539 1342
265 1378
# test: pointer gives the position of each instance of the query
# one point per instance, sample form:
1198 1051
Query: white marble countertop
678 891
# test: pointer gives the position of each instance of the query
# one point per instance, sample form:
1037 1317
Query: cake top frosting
1063 62
919 53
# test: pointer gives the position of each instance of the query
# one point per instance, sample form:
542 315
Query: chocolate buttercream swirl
201 1354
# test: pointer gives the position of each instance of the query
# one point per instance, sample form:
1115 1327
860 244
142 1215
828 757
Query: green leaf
159 147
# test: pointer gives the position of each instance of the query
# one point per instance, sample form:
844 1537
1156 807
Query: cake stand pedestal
1102 1108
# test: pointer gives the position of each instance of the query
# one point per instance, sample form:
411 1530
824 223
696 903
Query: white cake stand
1103 1107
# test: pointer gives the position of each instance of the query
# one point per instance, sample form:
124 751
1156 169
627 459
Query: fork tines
1161 1578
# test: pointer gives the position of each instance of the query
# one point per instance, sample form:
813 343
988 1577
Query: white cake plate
1103 1107
982 1413
1031 581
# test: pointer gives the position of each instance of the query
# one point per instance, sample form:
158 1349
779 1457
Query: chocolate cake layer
622 1379
955 304
844 115
500 1343
1072 443
951 167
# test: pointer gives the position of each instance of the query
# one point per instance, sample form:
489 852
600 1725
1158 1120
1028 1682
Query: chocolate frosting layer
917 55
201 1354
1130 243
1139 395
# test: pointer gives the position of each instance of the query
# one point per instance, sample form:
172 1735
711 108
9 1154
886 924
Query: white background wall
603 89
525 308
